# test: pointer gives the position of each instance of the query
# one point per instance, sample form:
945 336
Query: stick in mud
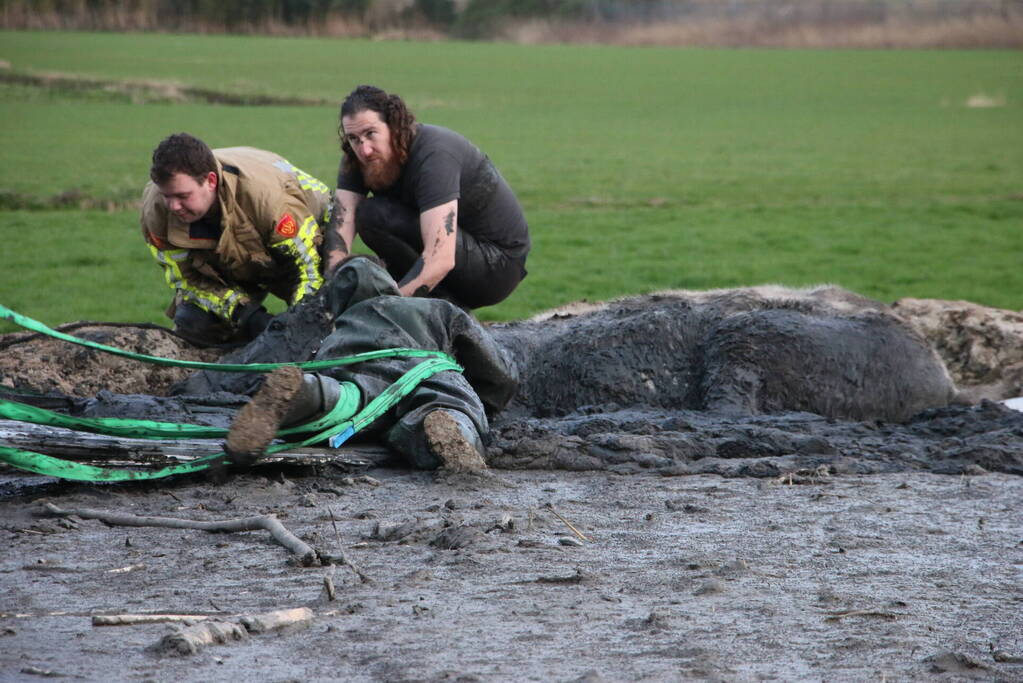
575 531
884 614
343 557
307 556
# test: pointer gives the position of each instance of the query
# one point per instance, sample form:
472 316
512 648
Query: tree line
474 19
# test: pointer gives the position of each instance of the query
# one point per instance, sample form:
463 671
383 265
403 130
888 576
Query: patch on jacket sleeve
287 227
156 241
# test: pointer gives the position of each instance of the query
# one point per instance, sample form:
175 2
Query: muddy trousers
483 274
401 428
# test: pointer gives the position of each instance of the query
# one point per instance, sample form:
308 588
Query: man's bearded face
370 139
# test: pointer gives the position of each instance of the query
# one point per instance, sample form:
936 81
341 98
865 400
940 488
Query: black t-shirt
442 165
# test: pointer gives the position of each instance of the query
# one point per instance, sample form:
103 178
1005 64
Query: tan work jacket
271 218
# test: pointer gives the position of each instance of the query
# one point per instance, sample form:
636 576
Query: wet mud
910 576
813 536
36 364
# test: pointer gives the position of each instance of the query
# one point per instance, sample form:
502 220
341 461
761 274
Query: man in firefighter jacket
230 226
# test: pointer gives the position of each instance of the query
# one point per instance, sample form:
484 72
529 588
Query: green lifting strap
337 426
36 326
346 406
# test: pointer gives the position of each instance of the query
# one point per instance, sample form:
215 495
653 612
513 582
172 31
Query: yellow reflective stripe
302 250
219 305
305 181
168 259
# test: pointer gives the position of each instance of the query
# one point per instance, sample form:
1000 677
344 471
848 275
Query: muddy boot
256 424
314 399
452 437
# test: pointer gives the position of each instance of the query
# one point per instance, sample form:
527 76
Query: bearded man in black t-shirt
440 216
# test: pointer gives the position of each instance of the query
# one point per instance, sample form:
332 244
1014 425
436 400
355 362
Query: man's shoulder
241 159
153 214
154 218
245 153
434 143
431 136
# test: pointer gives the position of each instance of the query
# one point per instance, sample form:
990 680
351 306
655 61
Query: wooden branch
306 555
884 614
190 639
112 451
134 619
272 621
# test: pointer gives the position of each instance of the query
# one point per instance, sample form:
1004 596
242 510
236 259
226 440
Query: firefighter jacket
270 233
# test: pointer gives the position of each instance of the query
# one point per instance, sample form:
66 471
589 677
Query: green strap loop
331 426
337 426
346 406
36 326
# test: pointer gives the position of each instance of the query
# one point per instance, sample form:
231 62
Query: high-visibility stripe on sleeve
301 249
219 304
305 181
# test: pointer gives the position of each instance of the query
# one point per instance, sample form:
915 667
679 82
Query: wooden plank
112 451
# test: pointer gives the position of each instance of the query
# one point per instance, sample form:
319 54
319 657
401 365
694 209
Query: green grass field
640 168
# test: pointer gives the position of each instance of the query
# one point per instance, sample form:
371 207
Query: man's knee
378 217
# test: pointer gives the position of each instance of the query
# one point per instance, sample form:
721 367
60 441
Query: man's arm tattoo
333 241
449 222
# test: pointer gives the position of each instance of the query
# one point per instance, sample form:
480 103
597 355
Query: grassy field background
892 173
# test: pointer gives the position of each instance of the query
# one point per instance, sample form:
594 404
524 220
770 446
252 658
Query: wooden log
272 621
189 640
135 619
111 451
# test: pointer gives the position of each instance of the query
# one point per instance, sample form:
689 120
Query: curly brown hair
392 111
181 153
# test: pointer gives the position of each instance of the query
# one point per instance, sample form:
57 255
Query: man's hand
251 319
439 228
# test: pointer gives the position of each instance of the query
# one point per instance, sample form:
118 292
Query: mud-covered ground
911 576
638 532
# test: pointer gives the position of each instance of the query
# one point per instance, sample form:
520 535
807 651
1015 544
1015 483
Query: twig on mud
306 555
341 554
579 577
575 531
328 584
885 614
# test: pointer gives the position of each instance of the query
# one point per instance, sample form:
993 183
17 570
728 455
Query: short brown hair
181 153
392 111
